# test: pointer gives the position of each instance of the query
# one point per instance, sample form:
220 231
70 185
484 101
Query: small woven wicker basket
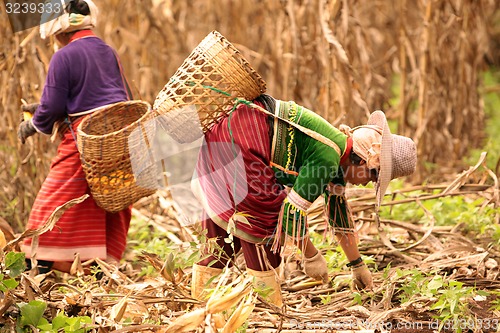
209 81
105 141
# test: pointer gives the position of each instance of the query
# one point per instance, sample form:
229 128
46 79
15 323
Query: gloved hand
362 277
316 267
25 130
28 110
31 108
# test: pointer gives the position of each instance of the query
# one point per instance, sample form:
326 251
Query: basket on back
105 140
204 88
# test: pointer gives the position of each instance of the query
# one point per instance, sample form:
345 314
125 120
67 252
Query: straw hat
398 155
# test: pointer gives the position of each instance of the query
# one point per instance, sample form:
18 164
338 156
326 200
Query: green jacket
308 166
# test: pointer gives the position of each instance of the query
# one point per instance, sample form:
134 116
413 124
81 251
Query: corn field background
343 59
419 61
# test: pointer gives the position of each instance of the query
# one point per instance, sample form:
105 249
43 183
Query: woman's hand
25 130
316 267
362 277
315 264
31 108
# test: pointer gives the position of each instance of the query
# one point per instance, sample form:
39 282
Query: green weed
149 239
478 219
448 299
32 317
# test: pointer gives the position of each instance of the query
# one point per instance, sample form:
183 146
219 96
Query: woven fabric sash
317 136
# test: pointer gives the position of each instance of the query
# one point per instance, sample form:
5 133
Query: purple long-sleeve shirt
82 76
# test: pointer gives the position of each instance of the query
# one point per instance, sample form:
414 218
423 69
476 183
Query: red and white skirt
85 228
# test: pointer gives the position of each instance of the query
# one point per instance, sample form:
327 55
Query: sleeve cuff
37 129
296 200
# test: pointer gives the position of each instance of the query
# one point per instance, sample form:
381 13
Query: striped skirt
85 228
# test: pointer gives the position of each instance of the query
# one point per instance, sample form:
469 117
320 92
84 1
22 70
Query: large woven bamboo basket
206 85
105 141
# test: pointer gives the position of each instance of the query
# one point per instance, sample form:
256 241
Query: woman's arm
315 264
362 276
307 247
349 244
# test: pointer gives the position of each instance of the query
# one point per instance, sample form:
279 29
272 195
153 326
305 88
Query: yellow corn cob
113 181
27 115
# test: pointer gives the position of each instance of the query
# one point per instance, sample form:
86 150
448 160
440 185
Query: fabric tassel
340 219
278 232
291 223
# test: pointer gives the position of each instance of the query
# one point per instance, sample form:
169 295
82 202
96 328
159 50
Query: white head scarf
53 23
366 143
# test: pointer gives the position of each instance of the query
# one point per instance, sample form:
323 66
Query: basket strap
315 135
124 78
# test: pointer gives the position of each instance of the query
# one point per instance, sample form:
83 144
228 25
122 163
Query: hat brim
385 173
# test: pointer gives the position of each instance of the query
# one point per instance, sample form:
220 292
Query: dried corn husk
188 321
240 314
219 303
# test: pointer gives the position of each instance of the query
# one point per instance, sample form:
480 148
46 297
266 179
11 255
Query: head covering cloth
394 155
53 23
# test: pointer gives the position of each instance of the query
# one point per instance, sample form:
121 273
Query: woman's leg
261 264
260 257
218 257
207 269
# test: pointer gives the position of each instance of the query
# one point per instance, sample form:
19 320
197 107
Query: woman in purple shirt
84 76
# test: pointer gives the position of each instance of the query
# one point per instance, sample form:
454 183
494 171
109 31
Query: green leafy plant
358 299
411 283
13 265
452 304
336 260
7 283
448 298
32 314
151 240
478 219
61 322
495 304
32 317
326 299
